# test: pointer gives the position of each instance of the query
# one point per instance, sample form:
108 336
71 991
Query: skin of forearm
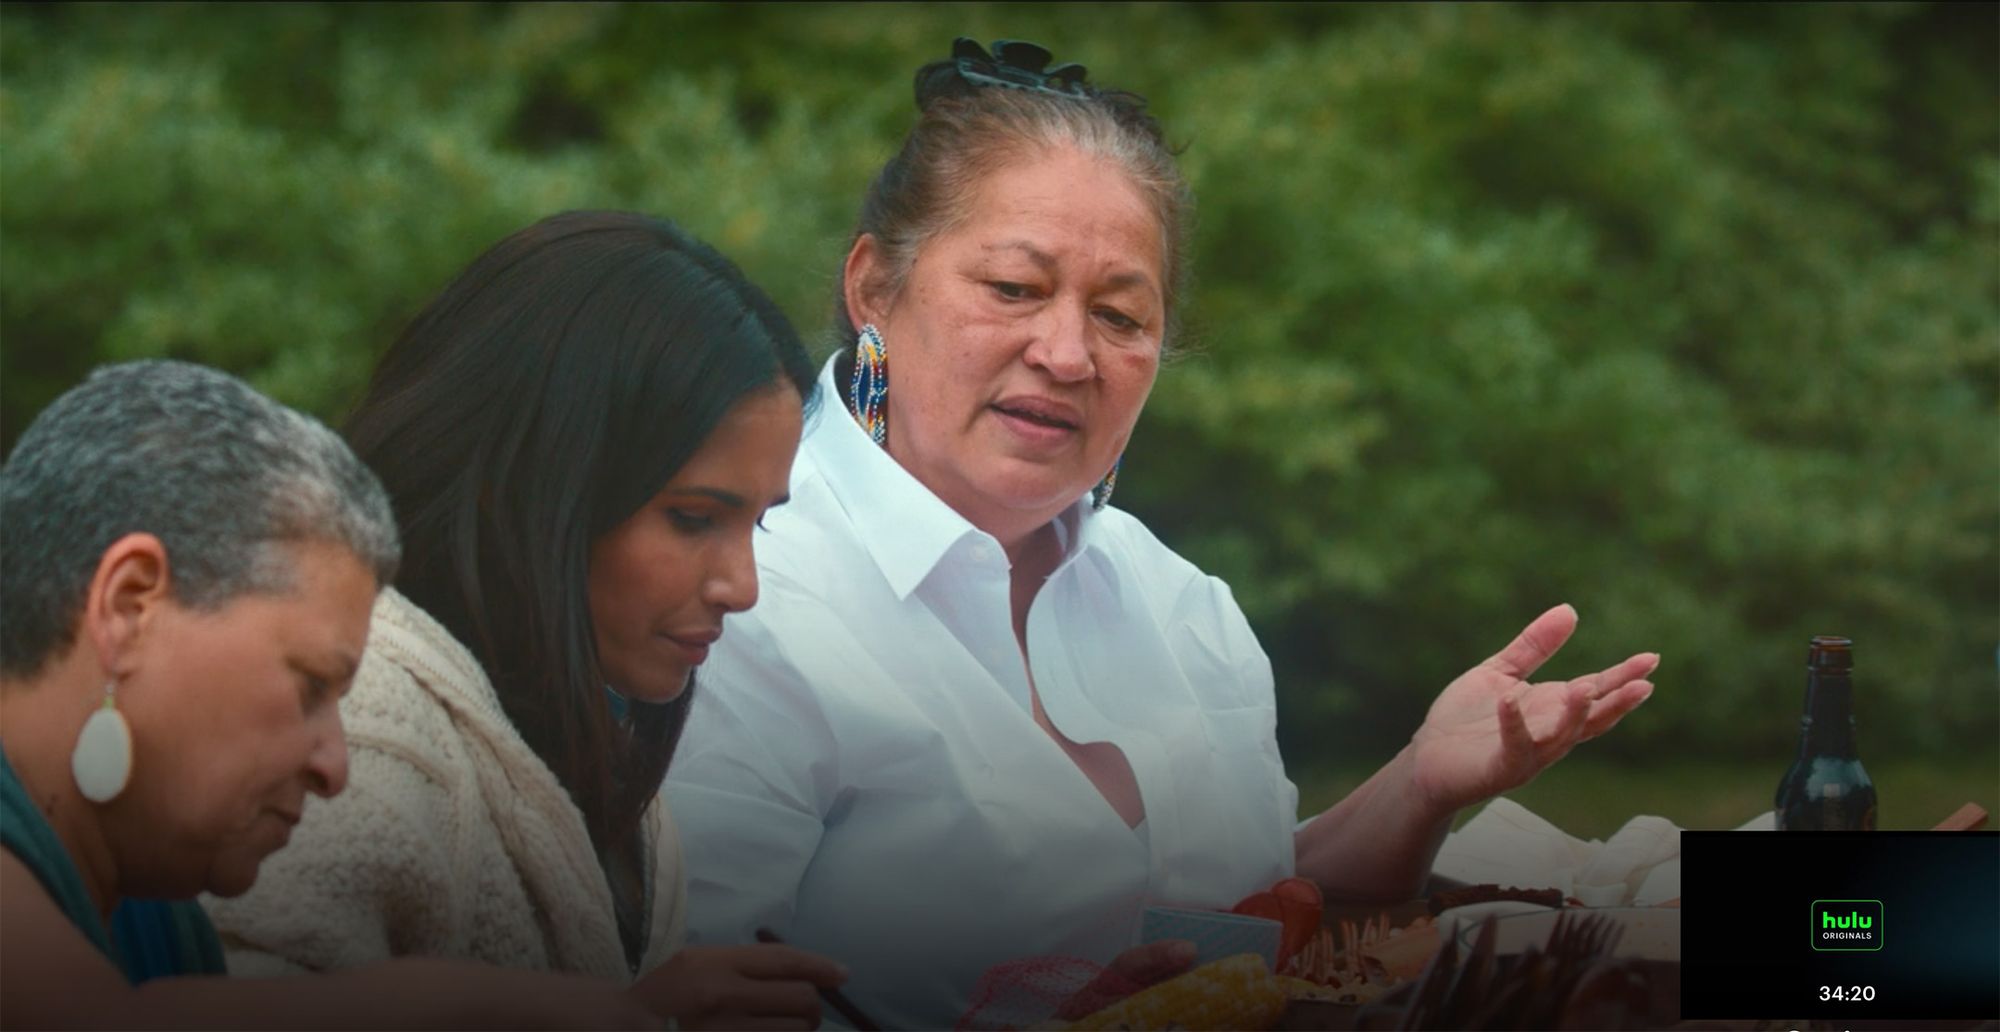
1379 842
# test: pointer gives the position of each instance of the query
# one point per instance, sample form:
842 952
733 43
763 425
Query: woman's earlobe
133 581
861 282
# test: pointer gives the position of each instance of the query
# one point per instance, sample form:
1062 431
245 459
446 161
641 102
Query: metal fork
1470 990
1576 939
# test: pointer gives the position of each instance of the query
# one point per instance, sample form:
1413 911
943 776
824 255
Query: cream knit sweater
453 839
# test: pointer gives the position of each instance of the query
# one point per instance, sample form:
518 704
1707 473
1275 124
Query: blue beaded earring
868 392
1103 492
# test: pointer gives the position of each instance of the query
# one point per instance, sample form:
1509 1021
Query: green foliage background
1687 315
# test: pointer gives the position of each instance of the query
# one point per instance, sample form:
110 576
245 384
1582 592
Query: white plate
1451 921
1650 933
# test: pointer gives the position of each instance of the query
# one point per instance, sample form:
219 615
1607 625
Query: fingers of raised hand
1617 690
1540 722
1578 695
1536 643
1515 738
1618 675
1610 708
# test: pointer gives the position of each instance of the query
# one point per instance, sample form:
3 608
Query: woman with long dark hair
579 436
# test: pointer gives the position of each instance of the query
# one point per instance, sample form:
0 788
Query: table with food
1521 926
1562 934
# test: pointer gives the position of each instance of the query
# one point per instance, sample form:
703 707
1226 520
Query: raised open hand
1491 730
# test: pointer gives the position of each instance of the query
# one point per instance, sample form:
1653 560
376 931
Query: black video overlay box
1878 925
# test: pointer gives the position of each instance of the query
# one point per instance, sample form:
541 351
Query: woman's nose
326 765
1062 347
731 585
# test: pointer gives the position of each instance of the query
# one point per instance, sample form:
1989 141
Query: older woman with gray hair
190 569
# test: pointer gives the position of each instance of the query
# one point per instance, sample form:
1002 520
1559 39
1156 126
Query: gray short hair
221 474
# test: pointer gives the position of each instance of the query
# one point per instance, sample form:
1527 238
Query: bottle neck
1827 729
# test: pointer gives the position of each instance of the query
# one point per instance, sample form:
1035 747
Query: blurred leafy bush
1687 315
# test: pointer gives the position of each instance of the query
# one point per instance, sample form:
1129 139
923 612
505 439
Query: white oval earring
102 762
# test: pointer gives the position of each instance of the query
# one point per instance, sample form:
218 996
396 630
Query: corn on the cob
1232 993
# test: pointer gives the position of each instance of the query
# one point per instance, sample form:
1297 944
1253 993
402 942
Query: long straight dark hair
542 398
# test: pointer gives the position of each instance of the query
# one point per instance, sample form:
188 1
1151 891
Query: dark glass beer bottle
1826 789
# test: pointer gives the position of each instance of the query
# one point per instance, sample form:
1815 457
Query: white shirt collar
870 486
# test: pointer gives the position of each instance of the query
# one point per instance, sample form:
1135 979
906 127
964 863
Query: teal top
149 938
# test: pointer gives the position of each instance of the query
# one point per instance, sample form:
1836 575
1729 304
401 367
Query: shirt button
981 552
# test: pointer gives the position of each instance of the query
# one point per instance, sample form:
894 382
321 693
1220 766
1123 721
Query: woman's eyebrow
1035 254
1046 261
729 498
1129 279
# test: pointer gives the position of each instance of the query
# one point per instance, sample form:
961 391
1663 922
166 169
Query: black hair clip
1014 64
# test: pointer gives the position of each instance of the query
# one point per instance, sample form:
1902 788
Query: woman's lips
1038 422
287 820
692 647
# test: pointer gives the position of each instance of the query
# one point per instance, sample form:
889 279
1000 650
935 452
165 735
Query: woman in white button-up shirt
978 715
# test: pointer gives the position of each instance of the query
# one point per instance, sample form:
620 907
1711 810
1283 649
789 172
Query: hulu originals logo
1847 924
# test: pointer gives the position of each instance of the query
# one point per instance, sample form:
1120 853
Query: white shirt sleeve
749 791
